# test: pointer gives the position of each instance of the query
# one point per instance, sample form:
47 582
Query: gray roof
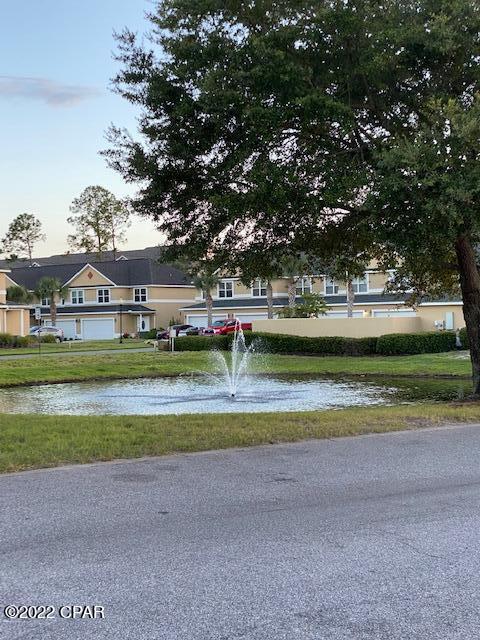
139 271
365 298
99 308
151 253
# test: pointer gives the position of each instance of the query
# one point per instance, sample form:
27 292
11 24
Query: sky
56 64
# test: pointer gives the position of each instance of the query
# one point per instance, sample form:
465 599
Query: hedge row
7 341
390 344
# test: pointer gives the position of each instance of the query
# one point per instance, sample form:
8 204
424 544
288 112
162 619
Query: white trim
77 296
88 266
226 281
441 304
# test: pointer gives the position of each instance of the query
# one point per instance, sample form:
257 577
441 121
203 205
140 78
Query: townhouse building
103 300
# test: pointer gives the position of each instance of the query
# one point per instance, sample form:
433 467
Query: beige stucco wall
346 327
430 314
3 286
17 322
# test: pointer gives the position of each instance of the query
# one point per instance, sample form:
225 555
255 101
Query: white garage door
396 313
344 314
98 329
69 328
201 321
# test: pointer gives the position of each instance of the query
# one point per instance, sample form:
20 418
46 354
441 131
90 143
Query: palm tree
205 281
19 295
293 268
52 289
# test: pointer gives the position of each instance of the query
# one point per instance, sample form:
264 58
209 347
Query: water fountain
235 368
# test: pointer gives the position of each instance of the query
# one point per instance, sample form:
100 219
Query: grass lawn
34 441
120 365
76 345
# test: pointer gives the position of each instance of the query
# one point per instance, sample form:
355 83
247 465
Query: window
45 302
225 289
259 288
140 294
304 285
331 287
360 285
77 296
103 295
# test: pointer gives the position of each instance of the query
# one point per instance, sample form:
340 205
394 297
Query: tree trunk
269 300
53 311
292 292
470 286
350 298
209 305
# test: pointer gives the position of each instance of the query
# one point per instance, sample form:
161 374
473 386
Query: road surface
374 537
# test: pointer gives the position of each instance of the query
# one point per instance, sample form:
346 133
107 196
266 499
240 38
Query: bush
464 338
7 341
151 334
390 344
202 343
280 343
411 343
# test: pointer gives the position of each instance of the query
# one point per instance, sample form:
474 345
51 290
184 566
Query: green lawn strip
122 365
72 346
35 441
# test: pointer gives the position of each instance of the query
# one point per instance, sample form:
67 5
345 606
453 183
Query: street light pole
121 320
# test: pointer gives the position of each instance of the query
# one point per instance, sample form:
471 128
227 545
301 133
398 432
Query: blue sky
55 106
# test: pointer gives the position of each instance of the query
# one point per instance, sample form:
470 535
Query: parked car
222 327
194 331
48 331
180 329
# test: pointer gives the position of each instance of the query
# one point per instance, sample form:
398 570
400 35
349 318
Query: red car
222 327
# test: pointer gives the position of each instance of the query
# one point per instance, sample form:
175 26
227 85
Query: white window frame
101 293
228 287
303 285
358 281
140 294
259 286
44 302
330 283
74 293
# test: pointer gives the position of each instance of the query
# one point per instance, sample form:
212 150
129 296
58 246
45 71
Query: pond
203 394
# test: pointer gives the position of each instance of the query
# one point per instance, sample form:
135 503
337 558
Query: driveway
374 537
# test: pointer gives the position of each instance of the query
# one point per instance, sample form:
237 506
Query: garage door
201 321
69 328
98 329
402 313
344 314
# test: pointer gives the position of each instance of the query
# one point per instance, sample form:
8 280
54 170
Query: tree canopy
277 123
100 221
23 233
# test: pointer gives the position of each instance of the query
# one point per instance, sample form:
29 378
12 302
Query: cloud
52 93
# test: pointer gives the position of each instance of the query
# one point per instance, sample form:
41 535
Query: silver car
48 331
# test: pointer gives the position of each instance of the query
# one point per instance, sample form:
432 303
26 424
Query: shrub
48 338
202 343
411 343
464 338
7 341
280 343
151 334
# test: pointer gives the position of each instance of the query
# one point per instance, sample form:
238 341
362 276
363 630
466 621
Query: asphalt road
358 538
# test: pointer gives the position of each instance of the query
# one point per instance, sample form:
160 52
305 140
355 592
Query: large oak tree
270 123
